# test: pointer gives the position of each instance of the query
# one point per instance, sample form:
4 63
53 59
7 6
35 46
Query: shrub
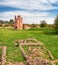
56 24
43 24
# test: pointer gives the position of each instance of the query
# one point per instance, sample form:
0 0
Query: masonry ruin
3 55
18 22
35 54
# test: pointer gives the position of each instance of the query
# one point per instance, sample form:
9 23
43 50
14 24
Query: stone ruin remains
3 58
18 22
37 61
31 59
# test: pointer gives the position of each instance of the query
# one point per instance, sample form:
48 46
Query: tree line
43 23
6 23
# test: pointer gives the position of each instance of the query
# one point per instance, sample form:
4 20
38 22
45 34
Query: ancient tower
18 22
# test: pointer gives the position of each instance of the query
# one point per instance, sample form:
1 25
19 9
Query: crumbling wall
23 52
19 22
35 60
3 58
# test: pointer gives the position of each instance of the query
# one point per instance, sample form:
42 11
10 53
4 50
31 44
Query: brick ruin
19 23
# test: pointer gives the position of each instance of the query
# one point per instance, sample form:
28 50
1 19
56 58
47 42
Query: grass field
45 35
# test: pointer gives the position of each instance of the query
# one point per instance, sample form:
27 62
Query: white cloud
37 20
53 1
30 4
27 17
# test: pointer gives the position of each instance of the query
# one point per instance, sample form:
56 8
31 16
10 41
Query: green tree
33 25
11 21
1 22
43 24
56 23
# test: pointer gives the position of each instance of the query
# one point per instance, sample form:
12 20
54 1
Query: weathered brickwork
18 22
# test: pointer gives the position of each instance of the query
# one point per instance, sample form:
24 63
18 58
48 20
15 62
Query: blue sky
32 11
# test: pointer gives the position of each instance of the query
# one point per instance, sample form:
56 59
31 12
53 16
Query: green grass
45 35
56 63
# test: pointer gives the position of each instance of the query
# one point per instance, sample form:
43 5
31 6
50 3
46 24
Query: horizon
31 11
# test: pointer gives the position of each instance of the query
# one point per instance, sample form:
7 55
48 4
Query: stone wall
3 58
23 52
35 60
50 54
3 55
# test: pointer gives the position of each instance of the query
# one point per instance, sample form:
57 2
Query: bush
43 24
56 24
0 25
5 25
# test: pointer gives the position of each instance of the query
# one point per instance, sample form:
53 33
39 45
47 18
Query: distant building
18 22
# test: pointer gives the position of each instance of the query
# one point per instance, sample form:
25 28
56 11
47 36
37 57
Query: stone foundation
34 57
3 58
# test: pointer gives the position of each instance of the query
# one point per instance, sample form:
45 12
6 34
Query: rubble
36 53
38 61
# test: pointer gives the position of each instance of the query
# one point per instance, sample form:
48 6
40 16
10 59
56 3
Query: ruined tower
18 22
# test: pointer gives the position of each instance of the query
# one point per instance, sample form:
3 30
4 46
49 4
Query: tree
56 23
11 21
33 25
43 24
6 22
1 22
